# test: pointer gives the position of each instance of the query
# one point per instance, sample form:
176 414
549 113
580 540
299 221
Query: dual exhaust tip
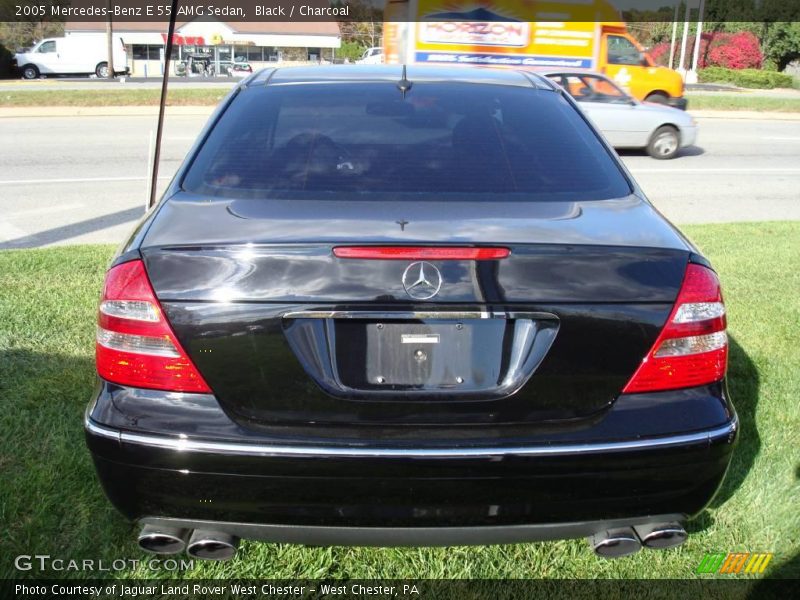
202 544
616 543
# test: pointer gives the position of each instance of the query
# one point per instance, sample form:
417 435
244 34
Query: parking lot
84 179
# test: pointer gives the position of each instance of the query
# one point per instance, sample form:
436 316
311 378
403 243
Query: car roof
414 73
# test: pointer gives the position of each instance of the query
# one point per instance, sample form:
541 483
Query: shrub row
731 50
749 78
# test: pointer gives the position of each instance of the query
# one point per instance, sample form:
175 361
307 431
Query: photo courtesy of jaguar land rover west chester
422 306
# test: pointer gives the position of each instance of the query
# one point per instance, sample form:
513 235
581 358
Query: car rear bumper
325 535
371 495
681 103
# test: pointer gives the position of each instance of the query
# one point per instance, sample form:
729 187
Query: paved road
84 179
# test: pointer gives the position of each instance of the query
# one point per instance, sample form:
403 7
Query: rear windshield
441 141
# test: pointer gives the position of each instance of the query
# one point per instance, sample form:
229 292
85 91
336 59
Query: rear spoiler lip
126 256
698 259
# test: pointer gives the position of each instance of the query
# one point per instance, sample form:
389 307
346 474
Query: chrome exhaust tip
162 540
660 536
615 543
212 545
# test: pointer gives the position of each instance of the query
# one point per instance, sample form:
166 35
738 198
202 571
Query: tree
776 23
351 50
364 25
781 43
650 33
21 34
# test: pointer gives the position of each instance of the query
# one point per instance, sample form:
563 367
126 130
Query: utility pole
691 76
674 34
684 41
110 40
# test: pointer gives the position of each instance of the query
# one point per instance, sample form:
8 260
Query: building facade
223 44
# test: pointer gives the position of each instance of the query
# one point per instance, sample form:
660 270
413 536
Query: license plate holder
419 354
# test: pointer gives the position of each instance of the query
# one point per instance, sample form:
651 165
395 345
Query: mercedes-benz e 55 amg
390 307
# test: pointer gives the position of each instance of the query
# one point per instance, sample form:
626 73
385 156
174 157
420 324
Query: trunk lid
287 334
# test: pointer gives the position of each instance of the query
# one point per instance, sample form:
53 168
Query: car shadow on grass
743 385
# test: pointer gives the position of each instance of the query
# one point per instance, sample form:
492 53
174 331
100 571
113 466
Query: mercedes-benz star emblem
422 280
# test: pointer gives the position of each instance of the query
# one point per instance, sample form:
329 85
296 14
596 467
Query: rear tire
30 72
664 143
101 70
658 98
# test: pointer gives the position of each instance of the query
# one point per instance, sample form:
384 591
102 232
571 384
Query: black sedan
379 307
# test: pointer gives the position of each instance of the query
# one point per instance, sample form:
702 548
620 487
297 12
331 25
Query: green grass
51 503
726 101
119 97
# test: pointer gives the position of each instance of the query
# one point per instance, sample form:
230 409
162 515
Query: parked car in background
371 56
238 68
380 306
625 121
71 55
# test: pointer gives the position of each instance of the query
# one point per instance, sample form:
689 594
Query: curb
745 115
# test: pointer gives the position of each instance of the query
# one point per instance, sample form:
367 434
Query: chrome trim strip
415 314
99 430
186 444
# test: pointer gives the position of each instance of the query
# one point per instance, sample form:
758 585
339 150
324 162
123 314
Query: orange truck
513 33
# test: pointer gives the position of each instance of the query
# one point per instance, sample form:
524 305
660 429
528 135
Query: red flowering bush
730 50
660 52
736 51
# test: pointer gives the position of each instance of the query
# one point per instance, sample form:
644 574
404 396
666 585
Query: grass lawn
51 503
742 101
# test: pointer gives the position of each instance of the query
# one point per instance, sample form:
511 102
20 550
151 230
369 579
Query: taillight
692 349
135 344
